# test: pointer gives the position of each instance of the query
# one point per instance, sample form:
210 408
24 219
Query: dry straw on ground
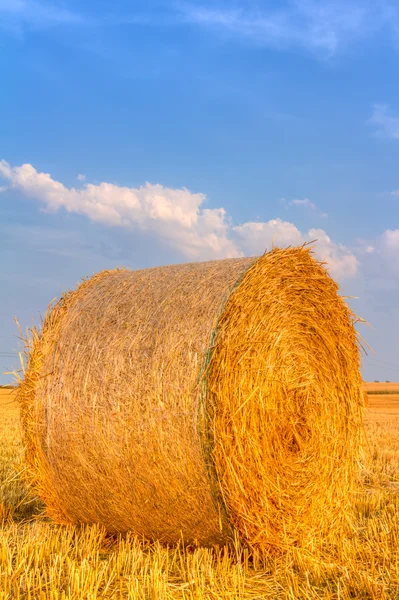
198 400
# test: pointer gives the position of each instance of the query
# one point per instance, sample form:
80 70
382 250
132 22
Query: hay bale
195 400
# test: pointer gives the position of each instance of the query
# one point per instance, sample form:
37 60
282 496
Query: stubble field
41 560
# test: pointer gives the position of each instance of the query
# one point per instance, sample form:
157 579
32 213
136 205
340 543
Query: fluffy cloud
341 261
390 240
382 258
255 237
176 216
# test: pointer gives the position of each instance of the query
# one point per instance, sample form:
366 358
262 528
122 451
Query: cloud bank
177 217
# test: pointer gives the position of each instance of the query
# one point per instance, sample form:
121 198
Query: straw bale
199 400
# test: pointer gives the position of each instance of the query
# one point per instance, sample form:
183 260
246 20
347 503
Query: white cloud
305 203
255 238
81 177
176 216
319 26
342 263
382 257
387 125
390 241
308 205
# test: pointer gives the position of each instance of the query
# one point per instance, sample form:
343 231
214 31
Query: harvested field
14 497
41 560
384 404
382 387
382 420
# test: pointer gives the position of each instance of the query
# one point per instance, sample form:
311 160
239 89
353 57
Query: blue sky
146 133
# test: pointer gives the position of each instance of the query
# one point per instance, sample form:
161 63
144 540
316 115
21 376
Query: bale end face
283 387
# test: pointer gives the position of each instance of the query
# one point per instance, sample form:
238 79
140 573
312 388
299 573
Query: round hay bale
198 400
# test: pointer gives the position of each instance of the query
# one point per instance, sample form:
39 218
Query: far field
43 561
381 387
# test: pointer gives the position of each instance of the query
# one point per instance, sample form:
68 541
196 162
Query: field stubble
41 560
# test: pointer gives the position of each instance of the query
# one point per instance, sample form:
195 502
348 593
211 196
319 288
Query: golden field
40 560
390 387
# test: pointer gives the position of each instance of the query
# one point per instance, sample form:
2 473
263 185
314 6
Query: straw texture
194 400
